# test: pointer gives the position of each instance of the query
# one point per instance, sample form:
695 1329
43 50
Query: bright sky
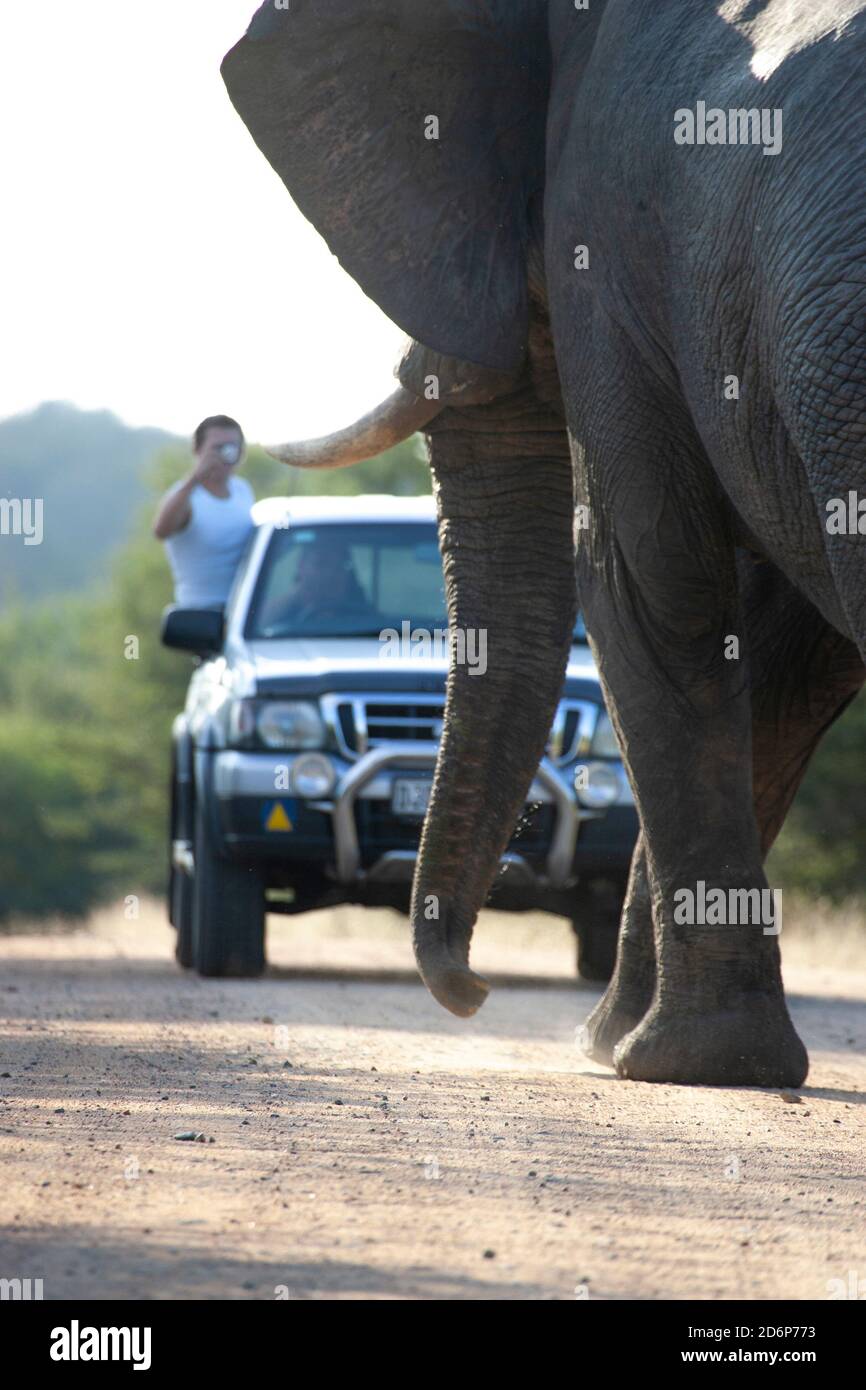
151 262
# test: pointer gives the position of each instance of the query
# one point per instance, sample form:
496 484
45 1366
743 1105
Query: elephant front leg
802 676
658 584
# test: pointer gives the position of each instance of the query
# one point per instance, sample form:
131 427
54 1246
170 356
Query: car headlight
313 776
597 785
604 744
294 724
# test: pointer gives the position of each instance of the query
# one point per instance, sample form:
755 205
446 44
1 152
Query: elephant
627 242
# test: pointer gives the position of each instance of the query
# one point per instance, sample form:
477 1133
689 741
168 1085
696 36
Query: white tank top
205 554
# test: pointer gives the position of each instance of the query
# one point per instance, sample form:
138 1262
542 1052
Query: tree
820 850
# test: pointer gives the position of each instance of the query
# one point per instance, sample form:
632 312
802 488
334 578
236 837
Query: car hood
319 655
316 664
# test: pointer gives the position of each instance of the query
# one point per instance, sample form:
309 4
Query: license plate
410 795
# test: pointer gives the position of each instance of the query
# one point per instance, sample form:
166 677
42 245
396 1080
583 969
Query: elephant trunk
505 529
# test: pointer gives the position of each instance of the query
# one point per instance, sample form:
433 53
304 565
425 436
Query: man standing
205 519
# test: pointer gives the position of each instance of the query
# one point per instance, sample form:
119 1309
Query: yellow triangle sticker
278 820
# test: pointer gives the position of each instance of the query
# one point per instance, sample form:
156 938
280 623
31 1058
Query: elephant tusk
390 423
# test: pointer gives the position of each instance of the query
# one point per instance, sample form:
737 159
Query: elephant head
412 136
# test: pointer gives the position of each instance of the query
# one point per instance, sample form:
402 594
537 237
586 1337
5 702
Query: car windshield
352 579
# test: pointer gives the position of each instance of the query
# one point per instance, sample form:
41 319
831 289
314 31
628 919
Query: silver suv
303 760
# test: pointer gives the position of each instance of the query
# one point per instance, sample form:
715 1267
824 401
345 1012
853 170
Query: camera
230 453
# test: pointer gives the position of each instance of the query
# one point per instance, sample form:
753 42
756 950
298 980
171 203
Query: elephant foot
754 1045
617 1013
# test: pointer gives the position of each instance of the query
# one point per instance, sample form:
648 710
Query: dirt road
360 1142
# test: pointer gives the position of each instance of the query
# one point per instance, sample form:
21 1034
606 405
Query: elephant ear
339 96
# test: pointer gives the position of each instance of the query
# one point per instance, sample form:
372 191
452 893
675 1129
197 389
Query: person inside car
326 591
204 520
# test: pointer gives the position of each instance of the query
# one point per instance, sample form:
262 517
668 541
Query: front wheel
180 915
596 910
179 883
228 910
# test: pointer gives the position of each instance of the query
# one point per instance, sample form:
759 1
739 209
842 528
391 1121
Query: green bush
820 850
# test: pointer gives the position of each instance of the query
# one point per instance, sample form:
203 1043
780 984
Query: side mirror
199 630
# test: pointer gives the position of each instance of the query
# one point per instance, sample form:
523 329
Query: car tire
179 885
181 916
228 910
596 912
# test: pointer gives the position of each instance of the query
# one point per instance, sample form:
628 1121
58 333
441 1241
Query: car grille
363 722
387 723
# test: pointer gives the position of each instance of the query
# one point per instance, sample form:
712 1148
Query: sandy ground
361 1143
